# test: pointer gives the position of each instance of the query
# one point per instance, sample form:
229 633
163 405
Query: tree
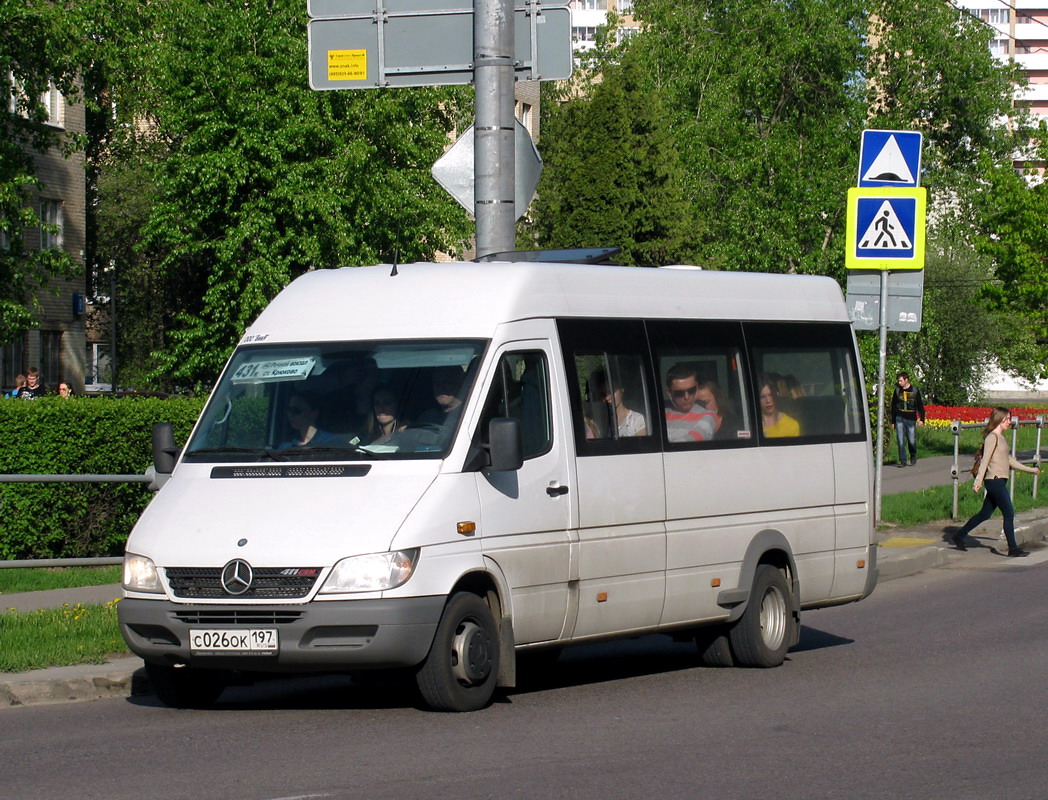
39 48
258 178
766 100
612 175
1013 210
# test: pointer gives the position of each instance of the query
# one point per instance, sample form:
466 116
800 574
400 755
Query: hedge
79 435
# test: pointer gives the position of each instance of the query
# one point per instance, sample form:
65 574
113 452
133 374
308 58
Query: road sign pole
493 150
881 367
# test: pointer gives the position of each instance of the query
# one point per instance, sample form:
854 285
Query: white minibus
439 467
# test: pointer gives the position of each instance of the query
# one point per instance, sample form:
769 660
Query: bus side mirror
165 452
505 445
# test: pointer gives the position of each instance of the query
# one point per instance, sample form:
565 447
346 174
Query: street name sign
400 43
885 228
890 158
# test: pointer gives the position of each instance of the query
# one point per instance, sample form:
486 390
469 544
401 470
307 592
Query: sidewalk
900 553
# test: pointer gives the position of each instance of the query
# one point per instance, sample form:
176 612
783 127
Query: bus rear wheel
763 633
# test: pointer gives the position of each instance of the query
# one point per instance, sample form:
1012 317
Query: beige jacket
997 460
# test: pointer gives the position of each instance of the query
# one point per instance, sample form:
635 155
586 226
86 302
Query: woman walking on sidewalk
993 470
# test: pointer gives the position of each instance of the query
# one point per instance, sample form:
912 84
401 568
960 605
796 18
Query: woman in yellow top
993 471
775 422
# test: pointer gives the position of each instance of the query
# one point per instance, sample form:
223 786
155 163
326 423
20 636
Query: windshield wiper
332 449
272 455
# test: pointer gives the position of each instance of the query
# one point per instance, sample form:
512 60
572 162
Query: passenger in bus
447 381
713 398
383 421
774 422
686 419
302 411
627 422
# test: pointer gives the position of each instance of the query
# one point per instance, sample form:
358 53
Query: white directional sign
885 228
890 158
454 170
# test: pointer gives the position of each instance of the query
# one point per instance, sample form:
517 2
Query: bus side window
810 375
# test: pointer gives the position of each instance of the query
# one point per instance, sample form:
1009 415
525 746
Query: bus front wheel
460 672
763 633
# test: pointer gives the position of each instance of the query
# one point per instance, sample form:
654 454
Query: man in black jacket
907 412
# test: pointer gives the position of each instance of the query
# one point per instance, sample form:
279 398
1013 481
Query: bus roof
469 300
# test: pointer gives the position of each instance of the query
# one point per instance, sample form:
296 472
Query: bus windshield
337 401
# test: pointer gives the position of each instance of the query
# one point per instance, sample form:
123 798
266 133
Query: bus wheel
185 687
763 633
460 672
714 648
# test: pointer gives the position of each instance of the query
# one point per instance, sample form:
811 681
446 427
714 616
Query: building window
999 47
590 5
524 111
50 215
54 105
998 16
51 358
625 6
584 34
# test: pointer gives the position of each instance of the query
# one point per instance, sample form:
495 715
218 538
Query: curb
126 677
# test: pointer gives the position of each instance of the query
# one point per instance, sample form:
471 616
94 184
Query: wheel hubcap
471 653
773 618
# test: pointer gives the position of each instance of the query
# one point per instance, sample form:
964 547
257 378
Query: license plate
233 640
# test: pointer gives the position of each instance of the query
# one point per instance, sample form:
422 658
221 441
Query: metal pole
882 363
112 323
493 151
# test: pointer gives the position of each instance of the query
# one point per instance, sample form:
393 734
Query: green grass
35 580
59 637
932 505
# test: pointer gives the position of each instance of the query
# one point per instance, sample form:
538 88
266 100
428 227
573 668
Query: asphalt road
934 687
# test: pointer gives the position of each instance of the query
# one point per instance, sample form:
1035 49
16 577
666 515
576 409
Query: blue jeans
996 497
906 433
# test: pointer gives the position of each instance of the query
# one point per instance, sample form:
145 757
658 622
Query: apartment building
57 346
1022 34
589 15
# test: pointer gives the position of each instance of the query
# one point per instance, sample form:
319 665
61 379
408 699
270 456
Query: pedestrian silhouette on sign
884 228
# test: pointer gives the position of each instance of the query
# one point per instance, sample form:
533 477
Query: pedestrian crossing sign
885 228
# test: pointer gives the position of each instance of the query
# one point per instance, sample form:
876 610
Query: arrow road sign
885 228
890 158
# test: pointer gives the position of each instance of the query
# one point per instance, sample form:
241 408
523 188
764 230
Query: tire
766 628
714 647
185 687
461 669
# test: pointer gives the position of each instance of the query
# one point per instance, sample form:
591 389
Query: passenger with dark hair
775 422
303 410
713 398
686 420
625 420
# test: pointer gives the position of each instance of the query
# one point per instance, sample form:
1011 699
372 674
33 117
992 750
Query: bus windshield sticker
280 369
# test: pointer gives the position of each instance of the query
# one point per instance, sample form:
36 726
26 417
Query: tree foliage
1013 210
251 178
39 47
613 175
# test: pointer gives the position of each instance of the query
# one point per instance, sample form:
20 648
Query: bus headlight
374 572
140 574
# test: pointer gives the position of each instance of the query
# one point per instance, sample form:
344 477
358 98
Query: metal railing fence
956 426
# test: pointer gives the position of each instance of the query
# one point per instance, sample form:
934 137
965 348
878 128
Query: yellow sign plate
347 65
885 228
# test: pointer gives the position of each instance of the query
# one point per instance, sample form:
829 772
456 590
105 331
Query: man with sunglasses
686 420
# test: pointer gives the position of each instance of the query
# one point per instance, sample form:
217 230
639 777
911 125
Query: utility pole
493 151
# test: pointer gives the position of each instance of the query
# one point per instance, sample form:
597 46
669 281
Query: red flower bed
978 413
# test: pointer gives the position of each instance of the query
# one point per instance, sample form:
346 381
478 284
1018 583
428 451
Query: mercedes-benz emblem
237 576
